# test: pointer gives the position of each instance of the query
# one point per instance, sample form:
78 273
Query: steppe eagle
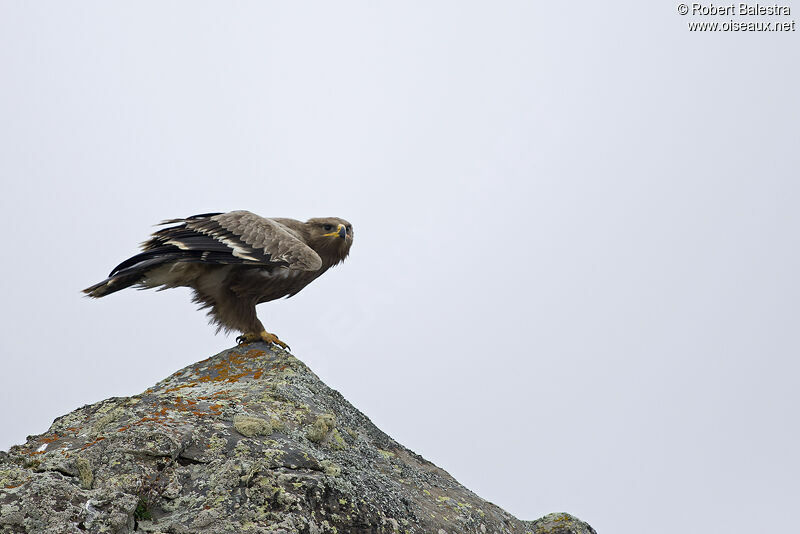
233 261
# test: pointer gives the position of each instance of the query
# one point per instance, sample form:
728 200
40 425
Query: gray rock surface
249 440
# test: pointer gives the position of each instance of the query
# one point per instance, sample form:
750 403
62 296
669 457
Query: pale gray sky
574 278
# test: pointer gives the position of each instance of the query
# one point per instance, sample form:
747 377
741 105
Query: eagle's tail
134 271
112 285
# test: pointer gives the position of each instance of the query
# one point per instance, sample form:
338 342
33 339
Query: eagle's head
330 237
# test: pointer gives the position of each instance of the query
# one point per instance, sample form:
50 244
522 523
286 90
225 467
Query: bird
232 262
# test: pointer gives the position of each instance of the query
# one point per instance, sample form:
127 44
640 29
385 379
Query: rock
249 440
559 524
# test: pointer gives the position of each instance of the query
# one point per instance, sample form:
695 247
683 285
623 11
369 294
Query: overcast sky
574 282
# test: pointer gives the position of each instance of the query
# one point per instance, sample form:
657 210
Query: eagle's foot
264 336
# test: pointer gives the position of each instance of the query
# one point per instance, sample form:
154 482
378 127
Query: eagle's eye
327 227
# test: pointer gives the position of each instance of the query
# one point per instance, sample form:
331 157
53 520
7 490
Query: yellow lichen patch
241 448
330 468
217 442
85 473
251 426
321 427
336 440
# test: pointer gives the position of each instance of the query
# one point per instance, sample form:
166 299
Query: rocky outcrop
249 440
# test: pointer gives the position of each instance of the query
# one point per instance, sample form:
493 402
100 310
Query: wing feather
235 237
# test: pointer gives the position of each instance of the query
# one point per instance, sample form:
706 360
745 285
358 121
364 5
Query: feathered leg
232 312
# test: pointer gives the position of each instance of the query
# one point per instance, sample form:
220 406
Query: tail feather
122 278
112 285
176 244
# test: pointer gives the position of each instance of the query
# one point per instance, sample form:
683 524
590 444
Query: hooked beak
341 231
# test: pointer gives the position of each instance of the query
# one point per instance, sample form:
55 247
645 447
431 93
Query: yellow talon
264 336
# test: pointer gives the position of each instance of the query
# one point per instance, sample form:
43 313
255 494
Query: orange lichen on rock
183 405
232 368
98 440
176 388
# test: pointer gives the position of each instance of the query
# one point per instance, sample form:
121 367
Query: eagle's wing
259 239
237 237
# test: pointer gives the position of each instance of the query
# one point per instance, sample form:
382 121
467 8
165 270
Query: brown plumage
234 261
